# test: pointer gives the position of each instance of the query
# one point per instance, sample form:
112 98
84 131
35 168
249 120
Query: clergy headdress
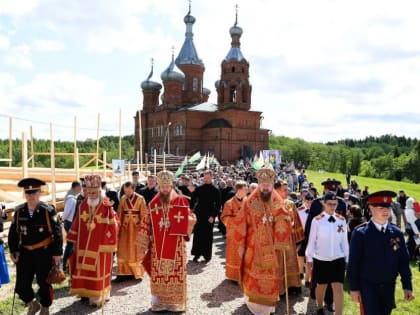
93 181
266 175
165 178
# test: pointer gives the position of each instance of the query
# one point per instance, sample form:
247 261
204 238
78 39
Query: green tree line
110 144
387 156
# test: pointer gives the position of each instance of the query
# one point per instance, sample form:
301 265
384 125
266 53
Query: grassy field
413 190
374 184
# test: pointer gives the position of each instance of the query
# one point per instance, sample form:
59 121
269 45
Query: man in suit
377 255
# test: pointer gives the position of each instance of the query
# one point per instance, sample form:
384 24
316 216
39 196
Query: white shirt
69 207
328 240
303 215
380 226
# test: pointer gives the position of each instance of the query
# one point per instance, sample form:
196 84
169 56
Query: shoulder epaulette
47 206
20 207
361 225
339 216
319 216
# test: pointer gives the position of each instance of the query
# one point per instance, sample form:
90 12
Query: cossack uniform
377 255
35 237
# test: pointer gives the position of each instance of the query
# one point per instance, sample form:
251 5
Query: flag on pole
194 158
181 167
208 161
202 164
258 161
213 160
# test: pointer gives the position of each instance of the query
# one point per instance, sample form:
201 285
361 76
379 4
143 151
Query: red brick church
179 120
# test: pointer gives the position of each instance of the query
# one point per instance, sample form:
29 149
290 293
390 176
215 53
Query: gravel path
208 293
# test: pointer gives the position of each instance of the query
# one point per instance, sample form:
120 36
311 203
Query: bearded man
294 284
94 233
165 228
264 230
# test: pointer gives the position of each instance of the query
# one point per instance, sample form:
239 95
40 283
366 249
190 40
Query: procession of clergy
268 240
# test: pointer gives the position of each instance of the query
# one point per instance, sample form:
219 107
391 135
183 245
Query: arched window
195 84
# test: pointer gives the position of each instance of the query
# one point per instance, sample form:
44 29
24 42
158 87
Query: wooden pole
119 140
97 143
154 158
31 135
104 163
10 141
76 163
24 156
75 150
147 163
164 161
141 142
53 188
137 160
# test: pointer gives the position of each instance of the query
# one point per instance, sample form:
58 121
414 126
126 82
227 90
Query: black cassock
206 203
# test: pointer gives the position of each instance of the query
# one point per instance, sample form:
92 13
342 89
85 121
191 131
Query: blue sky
321 70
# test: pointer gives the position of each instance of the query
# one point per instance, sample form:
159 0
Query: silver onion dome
173 73
206 91
149 84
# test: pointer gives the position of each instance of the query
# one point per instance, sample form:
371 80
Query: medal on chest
164 222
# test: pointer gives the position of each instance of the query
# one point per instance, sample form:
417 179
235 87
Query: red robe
263 233
163 235
94 234
233 260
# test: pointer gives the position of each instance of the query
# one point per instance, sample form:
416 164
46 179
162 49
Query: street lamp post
167 136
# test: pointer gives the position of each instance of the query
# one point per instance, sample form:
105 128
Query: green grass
413 190
374 184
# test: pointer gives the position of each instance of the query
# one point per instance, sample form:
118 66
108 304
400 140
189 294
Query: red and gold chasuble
292 266
129 257
94 234
233 260
263 230
163 234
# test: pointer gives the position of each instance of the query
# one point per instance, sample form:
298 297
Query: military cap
329 196
93 181
135 173
31 185
165 178
381 198
266 175
331 183
309 196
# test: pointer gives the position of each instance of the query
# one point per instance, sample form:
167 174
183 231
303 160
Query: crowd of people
280 236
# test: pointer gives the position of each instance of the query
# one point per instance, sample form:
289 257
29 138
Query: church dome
235 30
206 91
173 73
149 84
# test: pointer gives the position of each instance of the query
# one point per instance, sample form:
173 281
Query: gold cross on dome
179 217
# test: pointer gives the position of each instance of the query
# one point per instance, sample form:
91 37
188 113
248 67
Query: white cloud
57 98
46 45
18 8
4 42
19 57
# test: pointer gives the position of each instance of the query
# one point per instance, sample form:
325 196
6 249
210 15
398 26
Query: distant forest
388 156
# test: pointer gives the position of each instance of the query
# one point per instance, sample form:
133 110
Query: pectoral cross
179 217
164 223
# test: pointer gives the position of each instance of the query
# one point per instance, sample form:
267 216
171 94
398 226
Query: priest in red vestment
165 228
264 229
94 234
